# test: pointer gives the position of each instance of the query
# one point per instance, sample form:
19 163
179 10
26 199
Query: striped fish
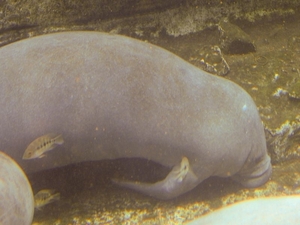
39 146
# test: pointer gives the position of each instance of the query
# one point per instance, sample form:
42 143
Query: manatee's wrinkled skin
264 211
16 197
111 96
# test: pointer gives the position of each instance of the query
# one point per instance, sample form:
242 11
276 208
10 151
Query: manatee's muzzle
257 175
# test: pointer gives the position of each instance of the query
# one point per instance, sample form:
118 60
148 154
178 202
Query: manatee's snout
257 175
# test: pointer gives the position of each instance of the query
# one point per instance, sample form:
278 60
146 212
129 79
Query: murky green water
271 75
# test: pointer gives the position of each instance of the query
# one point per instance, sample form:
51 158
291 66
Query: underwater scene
149 112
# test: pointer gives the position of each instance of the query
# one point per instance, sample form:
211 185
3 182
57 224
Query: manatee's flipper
180 180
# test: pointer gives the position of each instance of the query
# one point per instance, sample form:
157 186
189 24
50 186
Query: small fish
44 197
39 146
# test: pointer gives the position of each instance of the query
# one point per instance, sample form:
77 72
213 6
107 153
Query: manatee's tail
180 180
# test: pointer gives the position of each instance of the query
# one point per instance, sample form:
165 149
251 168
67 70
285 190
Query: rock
294 90
234 40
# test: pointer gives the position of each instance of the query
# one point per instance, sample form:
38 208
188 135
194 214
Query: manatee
265 211
112 97
16 204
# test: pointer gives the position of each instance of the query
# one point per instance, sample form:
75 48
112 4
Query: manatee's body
111 96
264 211
16 197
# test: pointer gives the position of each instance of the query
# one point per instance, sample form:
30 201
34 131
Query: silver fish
44 197
39 146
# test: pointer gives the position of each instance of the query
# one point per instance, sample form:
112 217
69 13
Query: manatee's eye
29 153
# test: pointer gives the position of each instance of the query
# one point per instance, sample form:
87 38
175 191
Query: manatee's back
120 97
79 84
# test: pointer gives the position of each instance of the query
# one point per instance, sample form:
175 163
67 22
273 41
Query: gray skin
265 211
111 96
16 197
